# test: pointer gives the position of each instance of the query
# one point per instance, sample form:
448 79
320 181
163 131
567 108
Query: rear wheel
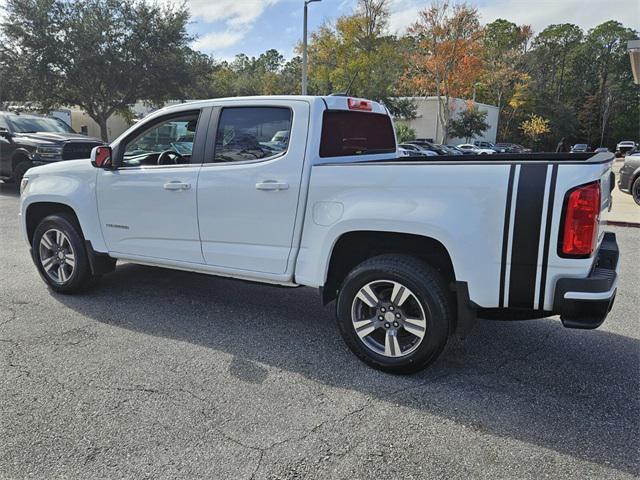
635 190
60 255
394 313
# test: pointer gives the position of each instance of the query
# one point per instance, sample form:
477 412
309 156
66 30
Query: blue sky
228 27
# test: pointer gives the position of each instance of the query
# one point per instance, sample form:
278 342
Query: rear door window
252 133
346 133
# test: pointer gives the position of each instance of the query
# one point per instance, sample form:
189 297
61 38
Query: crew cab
28 140
411 249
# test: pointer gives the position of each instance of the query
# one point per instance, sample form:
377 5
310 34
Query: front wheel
60 255
19 171
635 190
394 313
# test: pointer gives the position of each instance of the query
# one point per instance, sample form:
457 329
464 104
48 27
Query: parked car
624 147
334 209
448 149
601 150
629 180
416 151
513 148
580 148
464 152
428 146
468 147
489 145
28 140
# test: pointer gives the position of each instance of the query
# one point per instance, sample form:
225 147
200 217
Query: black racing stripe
505 234
547 238
526 235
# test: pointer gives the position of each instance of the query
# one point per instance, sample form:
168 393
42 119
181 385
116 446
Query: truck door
147 207
249 184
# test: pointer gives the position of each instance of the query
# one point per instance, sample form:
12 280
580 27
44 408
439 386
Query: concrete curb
616 223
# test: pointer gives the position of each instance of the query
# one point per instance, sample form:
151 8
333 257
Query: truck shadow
574 392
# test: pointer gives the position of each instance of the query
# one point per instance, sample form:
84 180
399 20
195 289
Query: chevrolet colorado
411 248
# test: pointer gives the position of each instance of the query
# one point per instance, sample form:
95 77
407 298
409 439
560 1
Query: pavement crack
12 315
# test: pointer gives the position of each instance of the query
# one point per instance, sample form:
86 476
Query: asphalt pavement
166 374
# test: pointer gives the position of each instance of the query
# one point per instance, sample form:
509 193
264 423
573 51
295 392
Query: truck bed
499 216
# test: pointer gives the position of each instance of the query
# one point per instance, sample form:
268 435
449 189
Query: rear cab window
349 133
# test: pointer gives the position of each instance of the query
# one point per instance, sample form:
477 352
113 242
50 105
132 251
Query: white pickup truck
310 191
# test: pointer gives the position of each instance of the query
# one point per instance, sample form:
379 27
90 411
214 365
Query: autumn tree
445 58
534 127
360 57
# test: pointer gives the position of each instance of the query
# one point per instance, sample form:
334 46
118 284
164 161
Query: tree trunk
104 134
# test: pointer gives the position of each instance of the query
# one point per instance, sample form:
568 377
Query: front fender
73 187
20 152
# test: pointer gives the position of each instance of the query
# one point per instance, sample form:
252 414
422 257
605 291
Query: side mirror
101 156
4 132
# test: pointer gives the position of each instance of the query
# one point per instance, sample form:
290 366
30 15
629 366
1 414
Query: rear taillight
357 104
581 215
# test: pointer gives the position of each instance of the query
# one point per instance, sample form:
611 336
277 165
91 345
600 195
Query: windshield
32 124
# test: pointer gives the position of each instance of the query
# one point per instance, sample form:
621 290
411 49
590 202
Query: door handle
176 185
271 185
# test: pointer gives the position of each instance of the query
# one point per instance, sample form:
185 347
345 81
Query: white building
426 124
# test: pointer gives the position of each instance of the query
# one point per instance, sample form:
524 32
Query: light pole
304 47
474 90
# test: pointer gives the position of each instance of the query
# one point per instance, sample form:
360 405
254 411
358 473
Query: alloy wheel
388 318
57 256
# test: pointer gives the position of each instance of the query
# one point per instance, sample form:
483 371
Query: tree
359 56
534 127
604 54
404 133
504 48
267 74
470 123
554 48
101 55
445 58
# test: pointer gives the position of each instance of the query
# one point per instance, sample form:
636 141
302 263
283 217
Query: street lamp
474 90
634 54
304 47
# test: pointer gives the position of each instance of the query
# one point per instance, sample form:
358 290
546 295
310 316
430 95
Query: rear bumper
585 302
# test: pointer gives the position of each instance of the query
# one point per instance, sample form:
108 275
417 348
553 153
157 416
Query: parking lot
165 374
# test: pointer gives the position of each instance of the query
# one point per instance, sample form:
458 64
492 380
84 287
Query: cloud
219 40
234 12
538 14
585 14
230 21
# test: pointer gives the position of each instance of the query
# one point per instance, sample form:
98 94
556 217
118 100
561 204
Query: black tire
80 276
429 289
19 171
635 190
